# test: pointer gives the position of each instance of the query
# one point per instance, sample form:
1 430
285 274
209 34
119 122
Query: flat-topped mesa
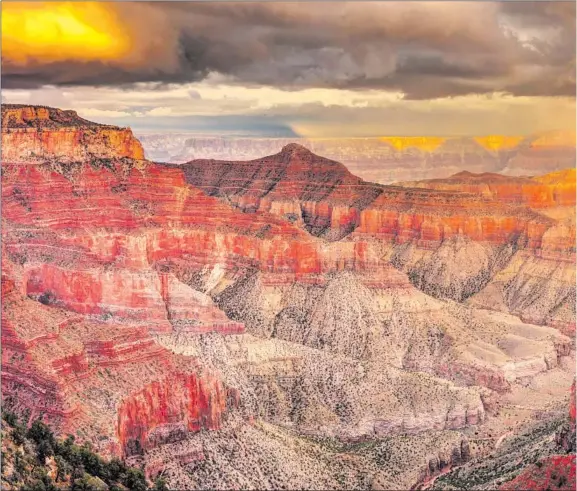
549 190
24 116
35 134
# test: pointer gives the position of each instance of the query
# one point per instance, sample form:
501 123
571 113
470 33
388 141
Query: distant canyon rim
386 159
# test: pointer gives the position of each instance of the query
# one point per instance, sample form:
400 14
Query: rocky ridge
451 244
35 134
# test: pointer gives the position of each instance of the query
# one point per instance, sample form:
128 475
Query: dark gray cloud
426 50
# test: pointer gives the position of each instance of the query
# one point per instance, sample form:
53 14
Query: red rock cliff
35 134
164 409
549 190
335 203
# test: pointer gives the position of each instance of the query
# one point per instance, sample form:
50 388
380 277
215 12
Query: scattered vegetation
517 453
34 459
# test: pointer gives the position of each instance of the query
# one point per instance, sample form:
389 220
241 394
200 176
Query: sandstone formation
335 203
546 191
36 134
454 241
266 301
539 285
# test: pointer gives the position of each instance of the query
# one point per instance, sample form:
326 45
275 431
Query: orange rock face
109 380
103 253
88 254
550 190
166 409
83 287
37 134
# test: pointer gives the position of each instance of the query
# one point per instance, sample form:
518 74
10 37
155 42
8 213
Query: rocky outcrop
443 463
555 473
536 284
546 191
459 241
335 203
167 410
34 134
562 185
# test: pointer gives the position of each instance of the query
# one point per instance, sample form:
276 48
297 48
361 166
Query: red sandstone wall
196 400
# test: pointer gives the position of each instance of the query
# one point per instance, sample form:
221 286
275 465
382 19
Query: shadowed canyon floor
279 322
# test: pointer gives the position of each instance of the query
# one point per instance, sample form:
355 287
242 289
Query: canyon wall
452 241
144 302
336 203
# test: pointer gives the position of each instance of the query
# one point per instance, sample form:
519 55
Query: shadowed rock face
139 308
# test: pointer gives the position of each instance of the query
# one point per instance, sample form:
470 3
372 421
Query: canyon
277 321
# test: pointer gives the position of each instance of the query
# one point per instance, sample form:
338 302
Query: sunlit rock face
335 203
536 284
167 409
82 294
546 191
36 134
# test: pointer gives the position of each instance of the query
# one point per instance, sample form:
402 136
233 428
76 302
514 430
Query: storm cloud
425 50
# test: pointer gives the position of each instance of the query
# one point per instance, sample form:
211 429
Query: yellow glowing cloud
59 31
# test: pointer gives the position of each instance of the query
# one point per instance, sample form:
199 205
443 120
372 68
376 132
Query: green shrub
18 435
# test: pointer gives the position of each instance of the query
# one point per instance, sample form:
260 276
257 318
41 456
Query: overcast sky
311 69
